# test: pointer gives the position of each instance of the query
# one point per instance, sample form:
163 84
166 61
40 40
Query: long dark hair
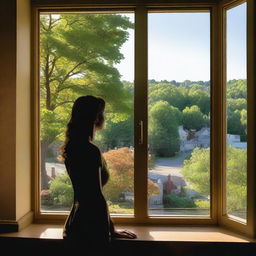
87 111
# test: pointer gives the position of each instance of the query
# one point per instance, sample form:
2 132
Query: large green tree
163 129
78 54
193 118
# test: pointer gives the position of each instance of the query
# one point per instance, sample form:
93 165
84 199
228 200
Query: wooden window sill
144 233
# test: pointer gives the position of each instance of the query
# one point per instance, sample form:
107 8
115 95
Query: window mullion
251 94
140 115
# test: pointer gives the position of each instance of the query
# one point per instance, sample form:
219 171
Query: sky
179 46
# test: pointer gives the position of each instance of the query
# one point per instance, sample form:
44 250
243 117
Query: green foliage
236 178
52 124
236 89
202 204
196 171
121 208
77 56
181 96
163 129
175 96
235 125
236 104
175 201
115 134
192 118
62 190
200 96
237 107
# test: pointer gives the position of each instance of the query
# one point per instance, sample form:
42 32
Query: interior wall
15 107
23 116
7 109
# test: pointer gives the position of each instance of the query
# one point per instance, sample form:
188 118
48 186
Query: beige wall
7 109
15 132
23 151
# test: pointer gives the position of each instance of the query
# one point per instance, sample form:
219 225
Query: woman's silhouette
89 223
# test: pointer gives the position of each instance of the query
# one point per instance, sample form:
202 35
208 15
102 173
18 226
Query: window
236 98
75 62
176 154
179 93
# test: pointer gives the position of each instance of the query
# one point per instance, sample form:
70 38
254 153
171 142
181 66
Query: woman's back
89 218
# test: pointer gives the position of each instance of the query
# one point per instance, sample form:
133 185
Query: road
166 166
59 168
163 166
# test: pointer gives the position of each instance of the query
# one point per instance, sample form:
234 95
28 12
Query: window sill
144 233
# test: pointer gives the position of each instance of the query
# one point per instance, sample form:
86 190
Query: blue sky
179 46
236 42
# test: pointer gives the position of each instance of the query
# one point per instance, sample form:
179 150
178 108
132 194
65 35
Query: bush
62 190
46 197
202 204
174 201
120 164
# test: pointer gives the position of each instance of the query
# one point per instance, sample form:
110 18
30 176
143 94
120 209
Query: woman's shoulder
82 148
92 147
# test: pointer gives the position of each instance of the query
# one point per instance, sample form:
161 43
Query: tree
243 119
163 129
192 118
200 96
235 125
237 89
236 104
115 134
175 96
120 164
77 57
236 179
196 171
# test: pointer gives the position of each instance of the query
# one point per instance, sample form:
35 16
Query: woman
88 223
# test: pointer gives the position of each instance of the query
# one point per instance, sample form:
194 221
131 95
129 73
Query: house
194 139
234 140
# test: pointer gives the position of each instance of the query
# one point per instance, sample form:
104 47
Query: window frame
217 112
225 219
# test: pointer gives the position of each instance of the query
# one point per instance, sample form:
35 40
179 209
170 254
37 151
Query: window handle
141 132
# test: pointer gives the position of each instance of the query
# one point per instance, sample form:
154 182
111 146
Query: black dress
88 223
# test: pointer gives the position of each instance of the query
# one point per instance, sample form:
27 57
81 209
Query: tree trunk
44 176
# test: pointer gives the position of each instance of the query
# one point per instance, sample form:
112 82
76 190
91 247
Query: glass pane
83 54
236 161
179 114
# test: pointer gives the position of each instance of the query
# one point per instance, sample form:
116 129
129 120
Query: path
166 166
59 168
163 166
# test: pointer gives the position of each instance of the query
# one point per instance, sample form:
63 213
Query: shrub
202 204
62 190
46 197
174 201
120 164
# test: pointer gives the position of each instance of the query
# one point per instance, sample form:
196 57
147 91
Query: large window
175 82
